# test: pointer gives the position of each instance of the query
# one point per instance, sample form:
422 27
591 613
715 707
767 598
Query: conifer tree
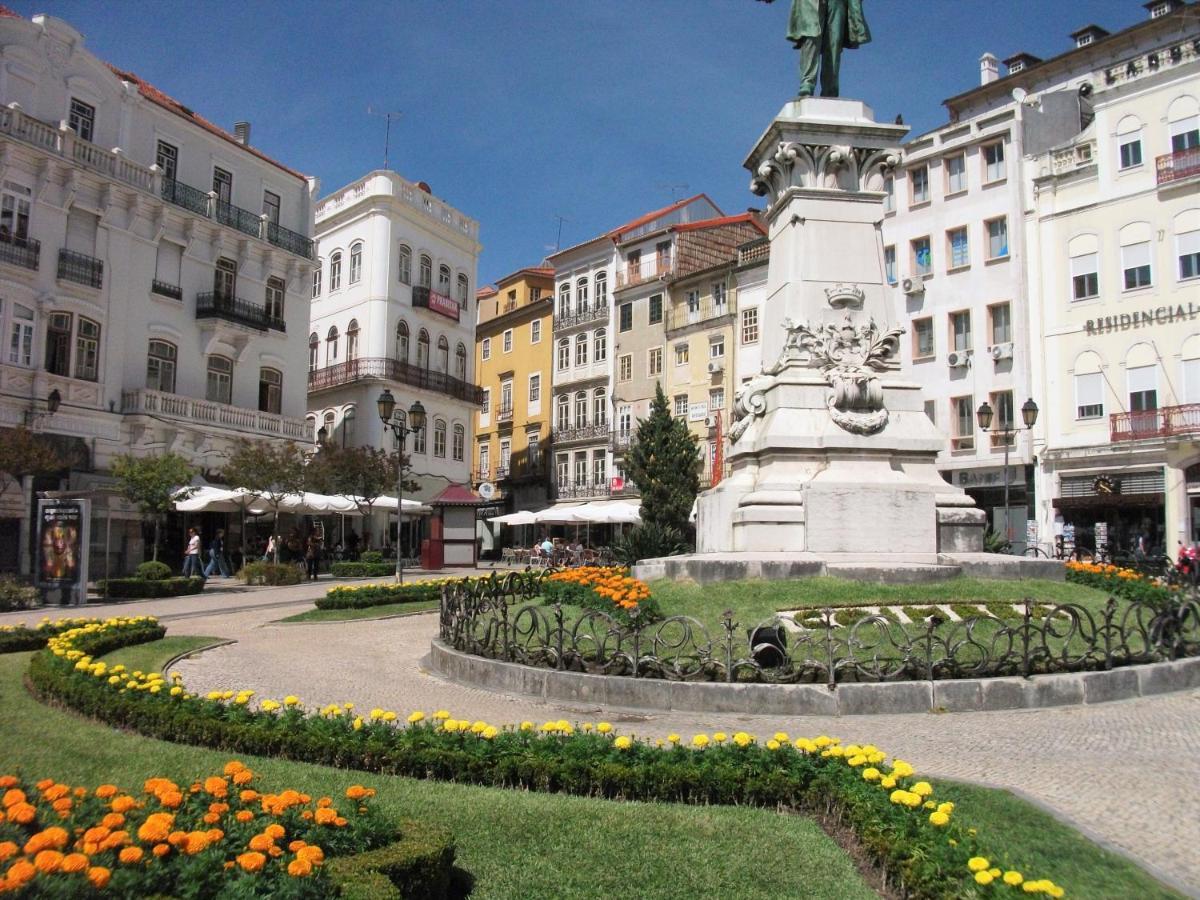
663 464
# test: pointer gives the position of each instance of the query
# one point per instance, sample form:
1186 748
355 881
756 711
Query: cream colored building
1114 268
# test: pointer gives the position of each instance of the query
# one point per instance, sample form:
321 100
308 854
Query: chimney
241 132
989 68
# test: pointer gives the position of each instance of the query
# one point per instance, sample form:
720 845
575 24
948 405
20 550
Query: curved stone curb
959 695
195 651
384 618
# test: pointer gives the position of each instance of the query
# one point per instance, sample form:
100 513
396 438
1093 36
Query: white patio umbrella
214 499
559 515
411 507
617 513
518 518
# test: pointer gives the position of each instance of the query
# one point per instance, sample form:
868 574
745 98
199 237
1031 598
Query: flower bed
145 589
14 638
900 820
217 837
609 589
362 569
367 595
1122 582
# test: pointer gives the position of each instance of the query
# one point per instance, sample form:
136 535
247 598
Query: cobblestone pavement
1125 772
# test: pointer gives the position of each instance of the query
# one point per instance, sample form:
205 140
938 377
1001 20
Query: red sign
443 305
618 483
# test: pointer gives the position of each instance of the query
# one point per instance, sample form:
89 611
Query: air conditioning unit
1002 351
959 359
715 367
914 284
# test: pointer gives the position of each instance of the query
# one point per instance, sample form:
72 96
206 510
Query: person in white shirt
191 555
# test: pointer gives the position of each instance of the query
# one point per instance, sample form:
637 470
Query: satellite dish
487 490
1019 94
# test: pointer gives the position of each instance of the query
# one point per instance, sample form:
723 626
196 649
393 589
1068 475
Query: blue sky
518 111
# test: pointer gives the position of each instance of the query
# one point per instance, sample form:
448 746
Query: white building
1114 238
391 308
750 288
153 274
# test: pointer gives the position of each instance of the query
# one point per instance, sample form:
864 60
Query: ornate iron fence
501 619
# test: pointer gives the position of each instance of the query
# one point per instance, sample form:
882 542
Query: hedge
926 852
270 573
419 865
363 596
18 638
362 569
141 589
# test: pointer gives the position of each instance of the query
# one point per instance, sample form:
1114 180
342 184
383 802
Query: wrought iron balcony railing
620 440
1170 421
20 251
80 268
1178 166
254 224
504 414
380 368
186 196
166 289
564 320
685 315
581 433
291 241
241 219
211 305
443 304
657 267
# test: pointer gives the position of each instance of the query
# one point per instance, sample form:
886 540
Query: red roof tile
727 220
456 495
6 13
651 216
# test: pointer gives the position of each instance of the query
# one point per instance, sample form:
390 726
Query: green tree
360 474
270 469
663 464
24 453
153 484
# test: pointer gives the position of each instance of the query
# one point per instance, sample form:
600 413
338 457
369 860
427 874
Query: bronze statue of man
820 29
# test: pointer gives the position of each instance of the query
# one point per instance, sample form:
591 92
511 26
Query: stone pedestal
831 451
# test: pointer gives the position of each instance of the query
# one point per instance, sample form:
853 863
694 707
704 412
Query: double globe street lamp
984 415
402 426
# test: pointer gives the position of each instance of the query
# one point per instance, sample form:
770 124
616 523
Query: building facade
153 278
391 300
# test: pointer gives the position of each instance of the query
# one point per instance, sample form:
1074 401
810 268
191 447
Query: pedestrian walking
191 555
312 555
216 557
269 553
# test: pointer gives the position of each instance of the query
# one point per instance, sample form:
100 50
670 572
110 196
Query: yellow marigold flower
604 727
870 774
1054 890
922 789
822 742
857 760
901 769
887 782
939 819
946 808
978 863
742 739
291 700
415 717
357 724
389 716
984 877
773 744
623 743
700 740
673 738
526 726
781 736
490 732
449 725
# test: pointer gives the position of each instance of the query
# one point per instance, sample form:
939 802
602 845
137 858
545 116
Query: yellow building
513 345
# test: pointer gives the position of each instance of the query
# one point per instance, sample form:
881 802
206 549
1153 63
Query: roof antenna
558 239
387 131
675 189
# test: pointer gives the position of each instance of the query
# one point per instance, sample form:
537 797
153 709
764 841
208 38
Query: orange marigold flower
312 853
116 839
55 791
296 845
299 868
274 851
195 842
251 862
233 767
161 850
244 815
215 834
7 781
243 777
274 831
21 813
260 842
13 797
211 818
325 815
99 876
248 796
113 820
48 861
7 850
218 787
325 801
131 855
20 872
175 838
62 804
75 862
122 804
171 799
44 783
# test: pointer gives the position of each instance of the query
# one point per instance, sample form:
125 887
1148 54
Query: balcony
184 195
291 241
564 320
1176 168
685 315
242 219
20 251
504 414
598 430
212 305
166 289
383 369
752 252
204 413
620 440
80 268
442 304
1170 421
581 490
655 268
207 204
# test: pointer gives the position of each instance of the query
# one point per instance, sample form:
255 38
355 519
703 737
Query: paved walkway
1126 772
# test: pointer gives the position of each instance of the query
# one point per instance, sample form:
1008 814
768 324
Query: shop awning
516 518
211 499
609 512
560 514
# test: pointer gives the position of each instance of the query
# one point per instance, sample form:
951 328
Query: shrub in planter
361 569
140 589
270 573
370 556
648 541
153 571
16 595
367 595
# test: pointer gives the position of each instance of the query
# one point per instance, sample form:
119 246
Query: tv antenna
387 130
675 189
558 239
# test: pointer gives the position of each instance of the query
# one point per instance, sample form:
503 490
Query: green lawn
151 657
369 612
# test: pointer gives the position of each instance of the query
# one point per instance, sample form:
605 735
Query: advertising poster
62 544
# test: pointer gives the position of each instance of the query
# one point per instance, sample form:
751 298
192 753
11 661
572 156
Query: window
223 185
535 331
1135 263
960 330
601 290
716 348
1143 388
693 306
82 119
922 257
599 407
993 162
889 265
20 336
271 207
535 294
1188 247
1089 396
960 254
275 294
423 349
506 397
656 309
270 390
1129 148
562 412
87 350
443 357
564 301
931 411
486 348
600 346
220 380
402 341
444 280
750 325
581 295
535 388
716 398
889 194
160 367
335 270
626 317
14 213
654 361
404 265
956 174
564 354
581 461
463 290
533 451
662 250
314 351
352 340
1185 134
624 420
681 354
719 296
962 419
581 409
681 405
1001 323
997 236
58 344
316 282
918 183
1002 433
458 439
166 157
485 463
625 367
923 345
485 407
508 340
419 440
331 346
1191 381
356 262
425 273
505 457
225 279
562 465
599 468
439 439
1085 278
460 361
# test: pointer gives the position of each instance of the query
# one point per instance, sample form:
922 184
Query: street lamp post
984 415
402 426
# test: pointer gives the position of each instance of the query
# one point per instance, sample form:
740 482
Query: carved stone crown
822 167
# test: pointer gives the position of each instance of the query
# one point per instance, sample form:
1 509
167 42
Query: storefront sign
1161 315
1101 535
1031 531
976 478
63 528
698 412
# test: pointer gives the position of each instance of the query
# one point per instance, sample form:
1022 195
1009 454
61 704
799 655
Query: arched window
352 340
402 341
426 272
404 268
599 406
219 388
335 270
581 408
463 288
316 281
160 366
439 438
314 345
444 280
564 301
270 390
581 349
274 298
564 354
562 412
423 349
581 294
460 362
443 357
458 443
328 425
600 348
601 290
331 346
356 262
